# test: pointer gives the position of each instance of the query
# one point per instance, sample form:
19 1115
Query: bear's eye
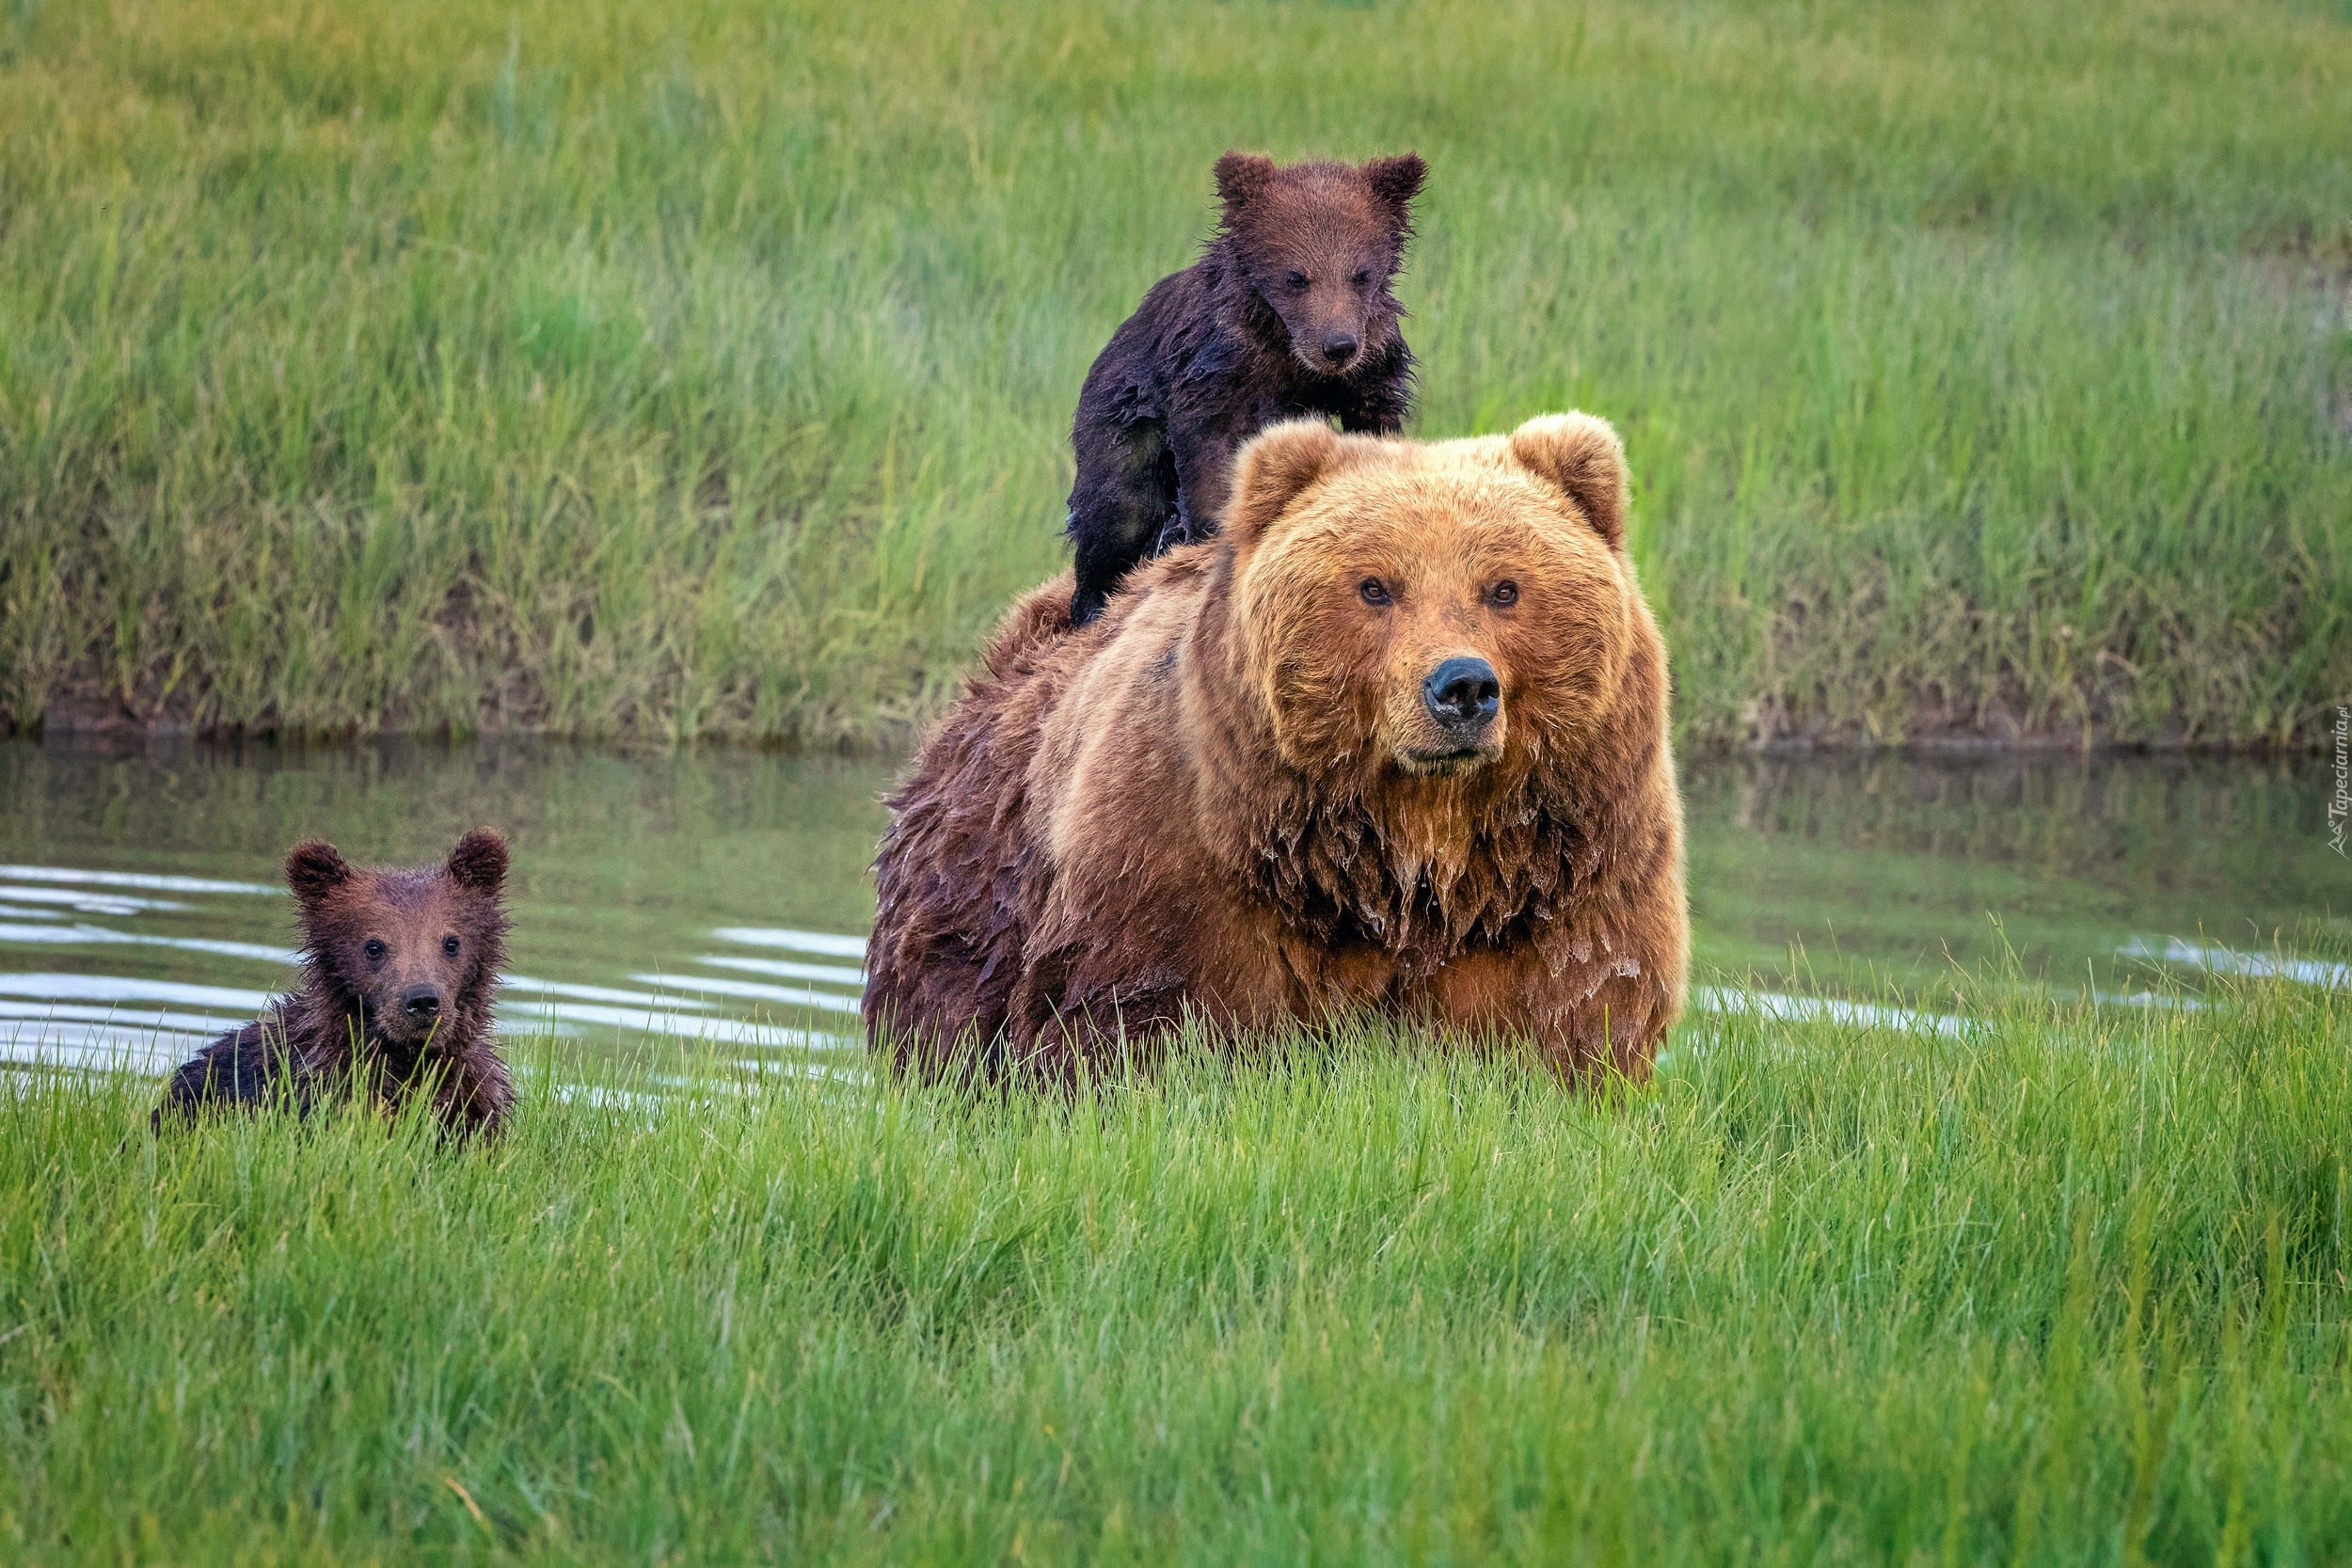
375 950
1296 280
1374 590
1363 277
449 945
1503 595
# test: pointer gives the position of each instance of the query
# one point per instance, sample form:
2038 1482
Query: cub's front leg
1118 507
1205 476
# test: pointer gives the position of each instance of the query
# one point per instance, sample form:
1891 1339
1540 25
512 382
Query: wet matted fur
1228 797
1290 310
400 971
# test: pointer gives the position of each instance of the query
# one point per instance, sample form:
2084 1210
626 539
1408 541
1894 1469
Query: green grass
2071 1291
683 371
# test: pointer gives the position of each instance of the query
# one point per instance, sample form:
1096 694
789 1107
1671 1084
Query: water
2093 872
719 898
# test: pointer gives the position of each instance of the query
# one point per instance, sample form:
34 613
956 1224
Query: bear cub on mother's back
399 973
1288 312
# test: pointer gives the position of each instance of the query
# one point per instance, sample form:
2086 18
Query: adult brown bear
1394 741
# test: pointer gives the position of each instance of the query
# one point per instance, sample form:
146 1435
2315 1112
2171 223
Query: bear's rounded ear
1582 456
1396 181
1241 176
479 861
1272 471
315 868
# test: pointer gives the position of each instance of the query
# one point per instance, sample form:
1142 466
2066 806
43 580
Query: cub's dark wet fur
1288 312
399 974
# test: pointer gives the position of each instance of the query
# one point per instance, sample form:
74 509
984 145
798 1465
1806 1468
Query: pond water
721 897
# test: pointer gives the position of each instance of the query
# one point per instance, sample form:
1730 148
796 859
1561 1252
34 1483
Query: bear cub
1288 312
399 974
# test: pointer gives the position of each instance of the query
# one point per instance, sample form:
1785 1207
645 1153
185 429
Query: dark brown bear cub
399 974
1288 312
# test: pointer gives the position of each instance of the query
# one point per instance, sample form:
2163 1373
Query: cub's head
408 950
1437 610
1319 242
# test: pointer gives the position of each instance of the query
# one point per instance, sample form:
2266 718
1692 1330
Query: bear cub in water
1288 312
399 974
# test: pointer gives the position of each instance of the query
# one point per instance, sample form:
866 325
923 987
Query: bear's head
409 954
1319 245
1455 609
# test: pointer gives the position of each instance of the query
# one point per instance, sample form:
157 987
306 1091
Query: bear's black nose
1463 695
420 1002
1339 347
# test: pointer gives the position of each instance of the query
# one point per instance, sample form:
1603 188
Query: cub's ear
1396 181
479 861
1272 471
1241 176
314 869
1582 456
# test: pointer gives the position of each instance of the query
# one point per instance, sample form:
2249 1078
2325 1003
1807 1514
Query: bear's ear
1241 176
1582 456
314 868
1396 181
479 861
1272 471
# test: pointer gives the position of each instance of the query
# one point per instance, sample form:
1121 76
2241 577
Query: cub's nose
420 1002
1463 695
1339 347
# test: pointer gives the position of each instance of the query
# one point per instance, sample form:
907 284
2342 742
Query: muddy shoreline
83 721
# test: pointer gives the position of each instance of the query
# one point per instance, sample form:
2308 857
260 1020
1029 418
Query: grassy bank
631 369
2071 1291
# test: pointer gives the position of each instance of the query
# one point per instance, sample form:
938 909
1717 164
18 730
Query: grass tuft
625 370
2071 1290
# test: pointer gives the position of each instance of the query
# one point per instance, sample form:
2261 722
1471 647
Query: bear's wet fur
1393 743
1288 312
399 980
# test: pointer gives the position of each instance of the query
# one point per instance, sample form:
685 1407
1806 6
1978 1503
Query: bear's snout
1339 347
420 1003
1463 696
1457 723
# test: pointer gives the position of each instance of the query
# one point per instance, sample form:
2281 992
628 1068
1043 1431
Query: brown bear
399 977
1290 311
1394 741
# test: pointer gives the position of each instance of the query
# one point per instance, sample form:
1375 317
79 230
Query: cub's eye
449 945
1503 595
1363 277
1296 280
1374 590
375 950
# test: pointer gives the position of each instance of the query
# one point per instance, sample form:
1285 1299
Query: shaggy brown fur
1288 311
1273 784
399 975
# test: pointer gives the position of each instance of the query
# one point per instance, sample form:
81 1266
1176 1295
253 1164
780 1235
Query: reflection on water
2260 966
2098 873
717 897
